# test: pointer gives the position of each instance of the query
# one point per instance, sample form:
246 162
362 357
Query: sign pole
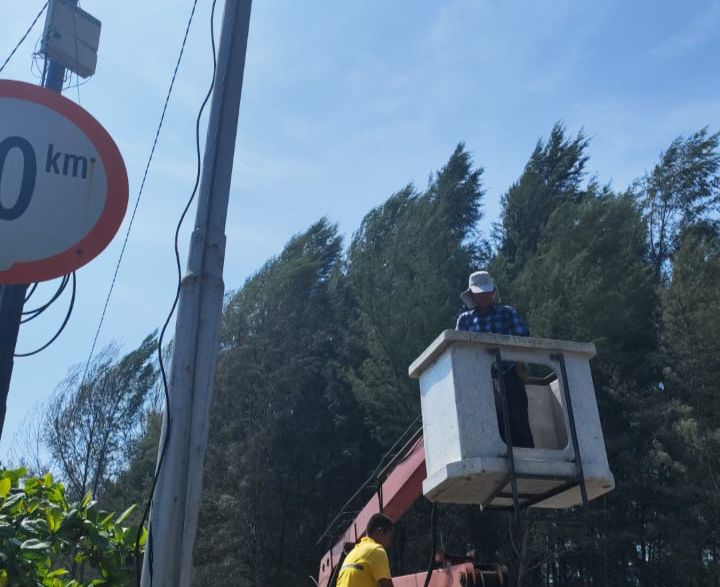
12 297
176 506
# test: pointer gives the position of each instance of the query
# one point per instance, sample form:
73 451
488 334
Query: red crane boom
397 493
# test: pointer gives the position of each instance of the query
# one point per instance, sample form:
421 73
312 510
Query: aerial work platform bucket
467 460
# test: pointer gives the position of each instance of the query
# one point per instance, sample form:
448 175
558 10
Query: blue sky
346 102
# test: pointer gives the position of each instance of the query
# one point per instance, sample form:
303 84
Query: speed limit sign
63 185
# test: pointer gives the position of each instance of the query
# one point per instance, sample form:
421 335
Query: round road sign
63 185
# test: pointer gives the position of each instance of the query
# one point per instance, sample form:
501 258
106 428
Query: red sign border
104 230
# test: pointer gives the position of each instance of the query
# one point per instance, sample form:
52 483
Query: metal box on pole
71 37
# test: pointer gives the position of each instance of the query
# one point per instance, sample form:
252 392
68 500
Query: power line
140 191
166 390
22 39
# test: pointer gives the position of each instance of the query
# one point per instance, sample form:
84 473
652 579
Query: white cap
478 282
481 282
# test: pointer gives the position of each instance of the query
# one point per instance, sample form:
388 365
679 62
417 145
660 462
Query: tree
691 322
551 177
134 482
286 445
682 189
407 264
92 422
688 445
589 281
312 385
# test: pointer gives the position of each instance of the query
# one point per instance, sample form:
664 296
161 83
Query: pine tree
551 177
688 444
92 420
682 189
407 265
286 444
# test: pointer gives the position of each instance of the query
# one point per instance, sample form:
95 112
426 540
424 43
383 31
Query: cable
62 327
43 78
32 314
140 191
30 292
433 534
373 476
166 391
22 39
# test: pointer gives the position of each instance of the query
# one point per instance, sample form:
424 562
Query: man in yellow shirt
367 564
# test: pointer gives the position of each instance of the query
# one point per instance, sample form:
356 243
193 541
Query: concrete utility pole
12 297
176 505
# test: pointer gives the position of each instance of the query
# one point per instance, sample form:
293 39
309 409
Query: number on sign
27 185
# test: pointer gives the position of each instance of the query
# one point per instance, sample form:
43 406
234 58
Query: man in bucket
486 314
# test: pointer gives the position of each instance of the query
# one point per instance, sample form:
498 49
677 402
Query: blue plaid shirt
496 320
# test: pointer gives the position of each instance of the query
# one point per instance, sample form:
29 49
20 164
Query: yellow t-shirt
366 564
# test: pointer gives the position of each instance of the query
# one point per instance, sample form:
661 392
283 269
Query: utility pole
176 505
12 297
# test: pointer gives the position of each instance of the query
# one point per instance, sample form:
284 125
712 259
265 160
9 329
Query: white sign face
63 186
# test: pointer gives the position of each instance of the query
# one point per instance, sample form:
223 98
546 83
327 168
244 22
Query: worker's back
365 565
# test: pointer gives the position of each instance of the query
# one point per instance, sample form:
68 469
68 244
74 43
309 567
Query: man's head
481 292
381 529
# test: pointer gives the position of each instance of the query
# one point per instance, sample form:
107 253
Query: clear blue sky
344 103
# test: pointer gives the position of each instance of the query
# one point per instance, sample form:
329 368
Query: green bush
47 542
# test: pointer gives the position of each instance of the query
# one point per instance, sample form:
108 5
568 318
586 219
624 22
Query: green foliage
93 422
687 444
683 189
311 381
552 177
284 426
47 542
406 266
134 483
691 321
589 281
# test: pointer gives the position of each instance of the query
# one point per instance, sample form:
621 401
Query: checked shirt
496 320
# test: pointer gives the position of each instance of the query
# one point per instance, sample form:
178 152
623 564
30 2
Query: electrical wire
140 191
32 314
25 36
43 78
433 534
166 389
62 327
389 456
30 292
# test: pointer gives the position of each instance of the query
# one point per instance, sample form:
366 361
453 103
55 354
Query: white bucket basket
466 459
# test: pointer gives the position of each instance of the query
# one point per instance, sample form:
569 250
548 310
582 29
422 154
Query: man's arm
461 323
